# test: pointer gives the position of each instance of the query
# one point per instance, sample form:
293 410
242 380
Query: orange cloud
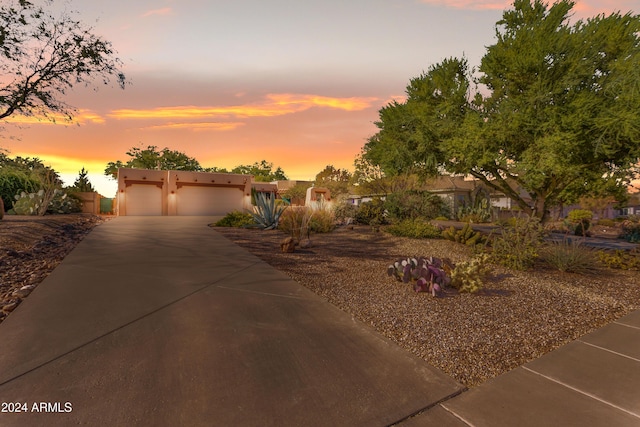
198 126
163 12
81 117
275 105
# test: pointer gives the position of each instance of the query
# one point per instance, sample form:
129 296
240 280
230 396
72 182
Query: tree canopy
24 174
262 171
336 180
555 110
82 182
42 56
152 158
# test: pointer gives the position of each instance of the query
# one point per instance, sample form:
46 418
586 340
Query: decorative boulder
288 245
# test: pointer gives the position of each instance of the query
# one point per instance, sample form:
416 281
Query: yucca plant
267 211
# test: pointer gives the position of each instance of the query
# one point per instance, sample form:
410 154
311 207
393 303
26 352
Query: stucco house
172 192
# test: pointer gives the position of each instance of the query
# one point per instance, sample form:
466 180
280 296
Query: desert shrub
425 274
517 246
236 219
570 256
581 219
619 259
465 235
372 213
607 222
64 203
631 229
13 182
415 228
295 222
478 212
322 221
412 204
345 212
469 276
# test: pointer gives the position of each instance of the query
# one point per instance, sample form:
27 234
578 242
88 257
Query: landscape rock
288 245
8 308
21 293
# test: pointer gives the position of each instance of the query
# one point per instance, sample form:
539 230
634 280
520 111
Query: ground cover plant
236 219
416 228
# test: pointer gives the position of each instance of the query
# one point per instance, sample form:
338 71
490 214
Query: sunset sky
230 82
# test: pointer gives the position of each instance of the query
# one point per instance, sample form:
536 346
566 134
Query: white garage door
208 200
143 200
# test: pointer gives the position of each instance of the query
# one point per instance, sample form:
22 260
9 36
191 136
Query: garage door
143 200
195 200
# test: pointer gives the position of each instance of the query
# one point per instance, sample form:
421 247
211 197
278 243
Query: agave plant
266 213
427 274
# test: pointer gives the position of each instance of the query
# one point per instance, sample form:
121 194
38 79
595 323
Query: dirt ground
31 247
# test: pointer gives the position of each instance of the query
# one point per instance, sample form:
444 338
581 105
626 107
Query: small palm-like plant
266 212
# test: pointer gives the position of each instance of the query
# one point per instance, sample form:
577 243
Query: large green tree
25 174
556 110
42 55
335 179
152 158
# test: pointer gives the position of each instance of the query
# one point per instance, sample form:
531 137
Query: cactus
28 204
62 203
469 276
465 235
34 203
427 274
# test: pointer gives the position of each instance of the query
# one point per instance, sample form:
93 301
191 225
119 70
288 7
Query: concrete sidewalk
593 381
158 321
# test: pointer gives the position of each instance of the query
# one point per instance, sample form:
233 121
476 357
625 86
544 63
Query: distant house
285 185
456 191
357 200
264 187
632 207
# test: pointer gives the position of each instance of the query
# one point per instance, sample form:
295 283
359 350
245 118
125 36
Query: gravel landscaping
518 317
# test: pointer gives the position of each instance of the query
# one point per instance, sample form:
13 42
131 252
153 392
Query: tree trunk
540 209
1 208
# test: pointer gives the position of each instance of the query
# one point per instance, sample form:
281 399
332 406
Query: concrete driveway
159 321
